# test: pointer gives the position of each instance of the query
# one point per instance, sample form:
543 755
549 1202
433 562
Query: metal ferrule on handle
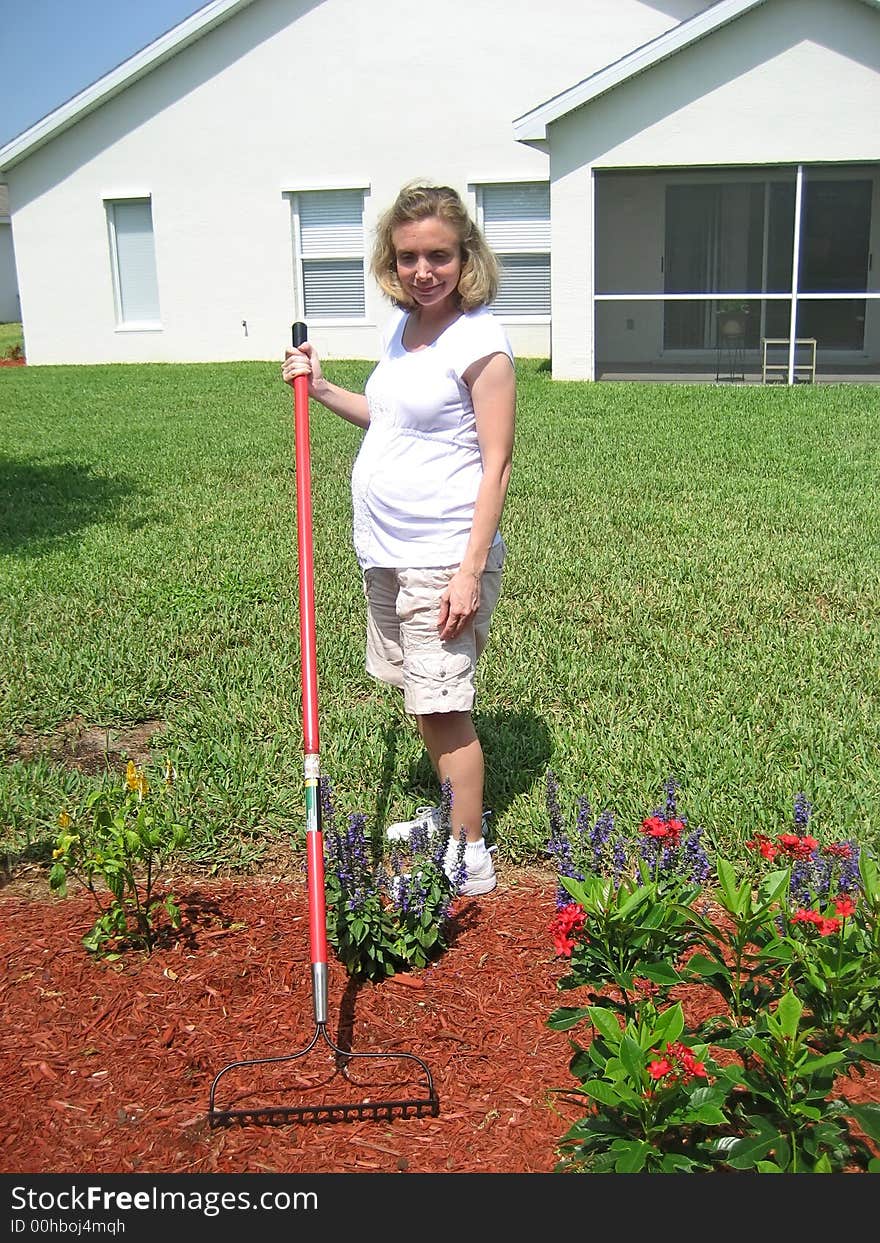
309 670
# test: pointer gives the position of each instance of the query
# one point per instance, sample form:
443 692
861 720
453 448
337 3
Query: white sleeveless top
415 478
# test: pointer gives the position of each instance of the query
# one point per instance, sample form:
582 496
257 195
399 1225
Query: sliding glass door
737 236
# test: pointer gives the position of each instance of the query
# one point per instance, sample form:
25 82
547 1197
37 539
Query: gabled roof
112 83
533 125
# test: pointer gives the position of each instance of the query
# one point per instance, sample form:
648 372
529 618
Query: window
133 261
515 218
329 244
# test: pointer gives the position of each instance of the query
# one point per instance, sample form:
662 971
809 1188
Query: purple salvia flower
329 831
583 828
618 858
397 886
669 811
356 854
419 839
459 867
441 840
696 859
822 870
558 845
850 879
802 812
668 861
799 886
446 803
599 835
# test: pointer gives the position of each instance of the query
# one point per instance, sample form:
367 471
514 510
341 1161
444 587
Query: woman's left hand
458 604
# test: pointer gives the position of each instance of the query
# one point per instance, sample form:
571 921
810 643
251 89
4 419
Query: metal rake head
427 1104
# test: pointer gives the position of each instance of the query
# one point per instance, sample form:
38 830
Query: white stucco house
651 172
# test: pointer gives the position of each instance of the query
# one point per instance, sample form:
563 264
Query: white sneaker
427 818
478 867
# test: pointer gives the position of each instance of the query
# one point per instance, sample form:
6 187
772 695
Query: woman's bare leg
454 749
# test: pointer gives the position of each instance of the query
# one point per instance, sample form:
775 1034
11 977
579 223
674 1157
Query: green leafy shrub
790 948
387 915
116 848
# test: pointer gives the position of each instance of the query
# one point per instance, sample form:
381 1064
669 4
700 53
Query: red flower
838 850
825 926
571 918
799 847
844 906
676 828
763 845
692 1067
661 829
660 1068
679 1060
806 917
655 826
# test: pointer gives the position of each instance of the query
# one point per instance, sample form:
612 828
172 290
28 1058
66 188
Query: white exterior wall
736 98
287 96
9 312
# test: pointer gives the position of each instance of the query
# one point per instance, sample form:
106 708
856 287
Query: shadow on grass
44 504
516 751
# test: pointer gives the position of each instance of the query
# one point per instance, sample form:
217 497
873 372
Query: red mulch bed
12 362
107 1066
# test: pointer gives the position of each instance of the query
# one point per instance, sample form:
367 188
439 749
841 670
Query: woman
429 485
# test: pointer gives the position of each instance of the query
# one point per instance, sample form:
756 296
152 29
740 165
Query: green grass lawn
693 589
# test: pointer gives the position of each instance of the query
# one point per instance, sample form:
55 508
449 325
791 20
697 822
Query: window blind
516 224
331 249
135 258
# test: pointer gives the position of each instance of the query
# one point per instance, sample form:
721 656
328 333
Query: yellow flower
64 821
141 785
56 854
131 775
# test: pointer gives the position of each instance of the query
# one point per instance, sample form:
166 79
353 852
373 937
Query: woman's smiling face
428 257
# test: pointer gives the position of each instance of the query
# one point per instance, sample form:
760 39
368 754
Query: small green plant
619 934
828 942
729 956
790 1121
623 899
387 916
654 1097
115 848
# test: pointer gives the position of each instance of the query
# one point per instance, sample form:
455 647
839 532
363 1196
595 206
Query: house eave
532 126
118 80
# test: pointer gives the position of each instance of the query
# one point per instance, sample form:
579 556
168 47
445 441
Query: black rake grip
300 333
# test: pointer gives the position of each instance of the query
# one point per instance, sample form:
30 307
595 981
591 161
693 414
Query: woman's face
428 256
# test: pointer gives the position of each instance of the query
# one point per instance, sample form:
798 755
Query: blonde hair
478 282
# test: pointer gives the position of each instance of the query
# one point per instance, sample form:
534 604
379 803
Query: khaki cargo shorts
403 647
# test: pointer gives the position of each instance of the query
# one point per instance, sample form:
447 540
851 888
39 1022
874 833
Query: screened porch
712 274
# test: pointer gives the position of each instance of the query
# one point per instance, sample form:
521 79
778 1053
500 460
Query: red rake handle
308 659
309 670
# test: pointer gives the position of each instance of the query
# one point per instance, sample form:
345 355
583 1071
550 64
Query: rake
343 1061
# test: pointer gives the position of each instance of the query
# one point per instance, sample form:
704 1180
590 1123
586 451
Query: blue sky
51 49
